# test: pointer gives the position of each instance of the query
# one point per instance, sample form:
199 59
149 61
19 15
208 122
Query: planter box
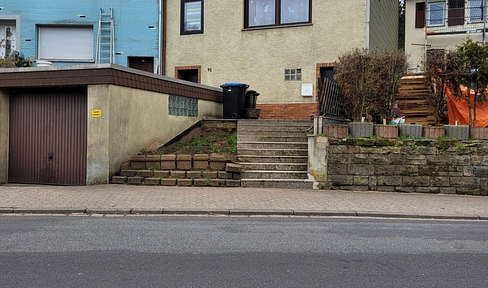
460 132
386 131
336 130
361 129
434 132
479 132
410 130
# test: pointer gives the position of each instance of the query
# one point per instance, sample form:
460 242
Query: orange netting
458 110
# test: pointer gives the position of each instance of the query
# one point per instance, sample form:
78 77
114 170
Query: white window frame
443 14
469 16
89 54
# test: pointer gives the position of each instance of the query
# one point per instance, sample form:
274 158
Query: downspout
368 20
159 38
163 59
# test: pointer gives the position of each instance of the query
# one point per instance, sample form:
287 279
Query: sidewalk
123 199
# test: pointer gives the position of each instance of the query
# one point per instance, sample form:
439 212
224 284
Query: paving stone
217 162
194 174
144 173
200 161
218 182
119 179
138 162
152 181
210 174
153 162
229 167
168 182
135 180
183 162
161 174
233 183
168 162
128 173
177 174
202 182
184 182
222 175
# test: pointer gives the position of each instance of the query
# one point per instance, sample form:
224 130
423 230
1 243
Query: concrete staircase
273 153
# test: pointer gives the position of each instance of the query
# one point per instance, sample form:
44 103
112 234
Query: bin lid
234 85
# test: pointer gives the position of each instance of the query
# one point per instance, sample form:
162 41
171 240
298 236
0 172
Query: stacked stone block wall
424 166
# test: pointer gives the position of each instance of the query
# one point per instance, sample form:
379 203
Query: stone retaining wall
425 166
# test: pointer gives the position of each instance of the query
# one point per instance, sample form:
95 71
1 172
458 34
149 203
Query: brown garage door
48 136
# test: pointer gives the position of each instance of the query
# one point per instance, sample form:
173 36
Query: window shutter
420 15
455 12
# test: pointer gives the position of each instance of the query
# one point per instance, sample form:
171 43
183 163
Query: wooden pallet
412 100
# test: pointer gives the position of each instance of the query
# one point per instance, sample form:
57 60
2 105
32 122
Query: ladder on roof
105 40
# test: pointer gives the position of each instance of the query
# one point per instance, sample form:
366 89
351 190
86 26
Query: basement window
183 106
293 74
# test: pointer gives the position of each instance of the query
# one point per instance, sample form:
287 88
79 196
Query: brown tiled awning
80 75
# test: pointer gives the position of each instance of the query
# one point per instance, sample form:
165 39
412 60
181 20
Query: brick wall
299 111
422 166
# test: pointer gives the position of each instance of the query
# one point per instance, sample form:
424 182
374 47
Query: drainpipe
159 38
368 19
163 53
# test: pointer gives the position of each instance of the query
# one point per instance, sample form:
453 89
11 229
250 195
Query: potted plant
336 130
410 130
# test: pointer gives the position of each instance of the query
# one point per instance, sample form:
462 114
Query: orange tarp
458 110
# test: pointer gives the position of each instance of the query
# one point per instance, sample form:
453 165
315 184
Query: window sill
277 26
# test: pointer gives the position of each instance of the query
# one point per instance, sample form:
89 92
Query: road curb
239 212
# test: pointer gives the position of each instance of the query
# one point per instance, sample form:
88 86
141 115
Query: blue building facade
67 32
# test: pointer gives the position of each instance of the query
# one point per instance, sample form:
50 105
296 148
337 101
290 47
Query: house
126 33
438 25
281 48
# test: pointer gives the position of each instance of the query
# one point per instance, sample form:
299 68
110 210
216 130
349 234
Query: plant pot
336 130
479 132
460 132
434 132
410 130
386 131
361 129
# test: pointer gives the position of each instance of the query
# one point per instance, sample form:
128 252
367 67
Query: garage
48 136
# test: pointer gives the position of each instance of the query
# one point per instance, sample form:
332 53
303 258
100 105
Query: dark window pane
261 12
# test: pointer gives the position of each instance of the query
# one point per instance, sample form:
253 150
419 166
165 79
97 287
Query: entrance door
47 143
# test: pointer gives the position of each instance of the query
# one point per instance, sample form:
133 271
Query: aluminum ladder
105 40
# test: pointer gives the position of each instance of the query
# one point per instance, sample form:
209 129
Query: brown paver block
152 181
222 175
168 162
184 182
232 183
194 174
135 180
210 174
218 182
217 162
168 182
119 179
138 162
183 162
201 182
128 173
200 161
230 167
125 165
161 174
153 162
177 174
144 173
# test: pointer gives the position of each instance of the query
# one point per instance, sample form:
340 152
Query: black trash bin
251 99
234 100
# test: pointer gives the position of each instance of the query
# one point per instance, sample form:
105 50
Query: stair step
265 138
264 174
287 123
260 128
275 133
274 166
272 159
277 183
274 152
271 145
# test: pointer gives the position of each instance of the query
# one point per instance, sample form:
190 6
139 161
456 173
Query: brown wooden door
48 136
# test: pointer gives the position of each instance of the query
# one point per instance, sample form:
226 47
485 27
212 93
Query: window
293 74
65 43
435 15
277 12
476 10
191 17
182 106
189 73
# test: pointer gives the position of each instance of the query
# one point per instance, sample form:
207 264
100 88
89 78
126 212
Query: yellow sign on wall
96 113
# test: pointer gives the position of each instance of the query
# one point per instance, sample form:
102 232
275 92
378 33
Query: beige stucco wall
259 57
131 120
383 27
417 35
4 132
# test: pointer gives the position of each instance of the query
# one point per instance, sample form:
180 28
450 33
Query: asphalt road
240 252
